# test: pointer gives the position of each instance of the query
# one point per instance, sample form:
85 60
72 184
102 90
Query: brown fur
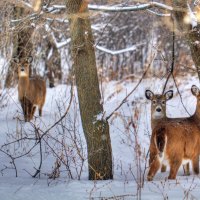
178 126
181 141
31 91
159 101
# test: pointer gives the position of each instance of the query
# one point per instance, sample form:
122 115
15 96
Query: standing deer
31 91
158 115
174 141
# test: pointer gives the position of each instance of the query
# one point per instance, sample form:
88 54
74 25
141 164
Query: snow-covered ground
130 132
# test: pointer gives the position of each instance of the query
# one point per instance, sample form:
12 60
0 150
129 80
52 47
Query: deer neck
196 115
155 122
23 86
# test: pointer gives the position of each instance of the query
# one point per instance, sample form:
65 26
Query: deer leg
174 166
195 164
23 107
186 169
40 109
29 110
40 112
24 104
154 167
163 168
33 111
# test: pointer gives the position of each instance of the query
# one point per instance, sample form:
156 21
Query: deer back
182 139
37 90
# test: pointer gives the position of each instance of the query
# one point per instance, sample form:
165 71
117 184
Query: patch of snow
130 131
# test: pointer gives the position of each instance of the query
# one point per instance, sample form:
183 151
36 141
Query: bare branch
124 100
129 8
115 52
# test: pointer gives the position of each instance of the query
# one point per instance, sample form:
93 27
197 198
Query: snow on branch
159 14
118 8
115 52
56 8
191 18
129 8
112 52
62 44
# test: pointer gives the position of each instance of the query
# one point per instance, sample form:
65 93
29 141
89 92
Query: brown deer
196 92
174 140
158 115
31 91
158 106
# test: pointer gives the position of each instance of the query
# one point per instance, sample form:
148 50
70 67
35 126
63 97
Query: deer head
158 103
23 66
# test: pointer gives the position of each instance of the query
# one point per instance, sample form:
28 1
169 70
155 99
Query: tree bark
96 130
192 35
22 45
53 63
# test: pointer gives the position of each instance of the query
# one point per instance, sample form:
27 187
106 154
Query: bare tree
53 63
22 45
96 129
189 30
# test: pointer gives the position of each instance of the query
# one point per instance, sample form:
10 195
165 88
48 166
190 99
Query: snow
128 141
115 52
192 17
129 8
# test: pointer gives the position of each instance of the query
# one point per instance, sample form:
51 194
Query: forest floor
130 131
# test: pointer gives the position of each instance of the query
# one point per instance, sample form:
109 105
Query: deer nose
158 109
22 70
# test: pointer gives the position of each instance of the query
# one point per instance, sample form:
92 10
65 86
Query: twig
180 95
63 116
124 100
39 168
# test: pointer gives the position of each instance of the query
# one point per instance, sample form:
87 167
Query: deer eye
154 101
163 102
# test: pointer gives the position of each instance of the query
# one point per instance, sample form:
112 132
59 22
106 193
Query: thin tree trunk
96 130
53 63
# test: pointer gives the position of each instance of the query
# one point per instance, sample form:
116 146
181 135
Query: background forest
97 58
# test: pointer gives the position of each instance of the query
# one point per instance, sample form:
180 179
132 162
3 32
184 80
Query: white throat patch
23 74
157 115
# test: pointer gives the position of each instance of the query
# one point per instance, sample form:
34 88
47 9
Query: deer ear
16 60
30 59
149 94
195 90
169 95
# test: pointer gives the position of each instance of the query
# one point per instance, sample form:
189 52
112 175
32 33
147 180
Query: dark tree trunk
193 38
53 63
192 35
22 45
96 130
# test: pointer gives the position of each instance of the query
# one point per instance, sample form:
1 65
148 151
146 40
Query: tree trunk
192 35
193 38
96 130
53 63
22 45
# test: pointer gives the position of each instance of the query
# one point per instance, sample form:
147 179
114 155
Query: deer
196 92
31 91
174 141
158 115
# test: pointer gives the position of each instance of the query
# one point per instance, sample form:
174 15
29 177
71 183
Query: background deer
31 91
158 116
196 92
